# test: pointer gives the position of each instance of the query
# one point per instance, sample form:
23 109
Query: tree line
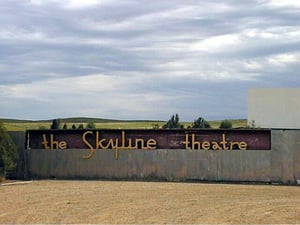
172 123
201 123
57 124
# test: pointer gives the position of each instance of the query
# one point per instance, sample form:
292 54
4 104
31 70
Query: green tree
91 125
65 127
80 126
55 124
226 124
201 123
173 122
8 153
73 126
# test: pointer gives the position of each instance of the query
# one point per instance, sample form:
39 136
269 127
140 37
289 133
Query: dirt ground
107 202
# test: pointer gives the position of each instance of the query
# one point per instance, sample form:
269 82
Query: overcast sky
141 59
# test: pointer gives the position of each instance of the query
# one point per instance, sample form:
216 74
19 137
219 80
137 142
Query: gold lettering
139 142
116 155
232 144
243 145
206 145
92 150
101 146
123 143
151 144
45 142
187 142
114 145
195 144
123 139
53 144
224 142
216 146
99 142
62 145
130 145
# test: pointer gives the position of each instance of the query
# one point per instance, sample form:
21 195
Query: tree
55 124
80 126
65 127
226 124
91 125
201 123
73 126
173 122
8 153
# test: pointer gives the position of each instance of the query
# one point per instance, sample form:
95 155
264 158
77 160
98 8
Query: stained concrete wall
280 164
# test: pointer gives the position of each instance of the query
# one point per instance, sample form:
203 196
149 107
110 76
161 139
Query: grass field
16 125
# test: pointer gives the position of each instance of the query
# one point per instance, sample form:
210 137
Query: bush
8 153
201 123
55 124
91 125
173 123
226 124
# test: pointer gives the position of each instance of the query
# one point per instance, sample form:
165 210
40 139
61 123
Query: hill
74 120
22 125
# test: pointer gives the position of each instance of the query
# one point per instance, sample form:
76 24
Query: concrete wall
274 107
280 164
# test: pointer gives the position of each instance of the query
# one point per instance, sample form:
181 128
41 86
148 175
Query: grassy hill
22 125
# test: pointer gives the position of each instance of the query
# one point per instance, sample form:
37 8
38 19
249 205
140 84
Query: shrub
201 123
91 125
226 124
8 153
55 124
173 122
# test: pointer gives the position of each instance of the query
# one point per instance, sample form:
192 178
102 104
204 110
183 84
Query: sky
140 59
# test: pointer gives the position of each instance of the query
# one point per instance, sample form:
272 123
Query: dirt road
147 202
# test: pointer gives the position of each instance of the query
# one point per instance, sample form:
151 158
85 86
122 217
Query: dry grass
22 126
147 202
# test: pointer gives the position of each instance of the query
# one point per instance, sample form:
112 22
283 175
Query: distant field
22 125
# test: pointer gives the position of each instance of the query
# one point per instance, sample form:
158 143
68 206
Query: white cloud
252 65
216 43
284 59
143 59
284 3
92 95
73 4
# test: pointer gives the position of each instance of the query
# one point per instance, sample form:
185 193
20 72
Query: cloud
143 59
283 3
72 4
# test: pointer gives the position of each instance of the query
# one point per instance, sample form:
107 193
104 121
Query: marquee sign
148 140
